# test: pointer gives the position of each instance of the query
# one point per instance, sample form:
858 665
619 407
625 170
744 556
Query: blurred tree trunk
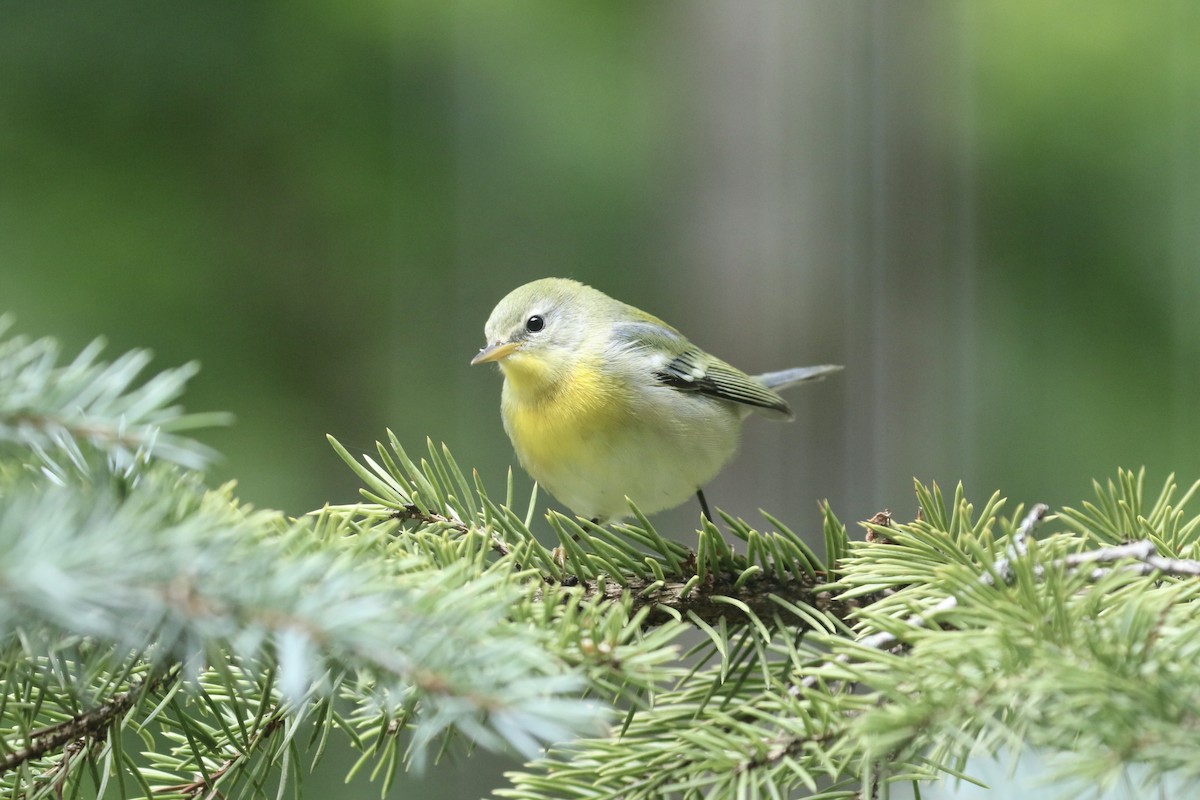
823 221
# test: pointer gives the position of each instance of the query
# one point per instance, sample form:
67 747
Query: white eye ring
535 323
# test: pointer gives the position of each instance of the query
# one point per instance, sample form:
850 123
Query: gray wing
692 370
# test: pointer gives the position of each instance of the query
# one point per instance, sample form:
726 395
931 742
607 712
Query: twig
59 772
411 512
1019 547
784 747
90 724
1143 552
755 594
209 782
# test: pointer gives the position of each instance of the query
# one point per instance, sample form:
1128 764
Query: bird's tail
789 377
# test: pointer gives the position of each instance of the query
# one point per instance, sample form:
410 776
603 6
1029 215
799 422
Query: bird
606 404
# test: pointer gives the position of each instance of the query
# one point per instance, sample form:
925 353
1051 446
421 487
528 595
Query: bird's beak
494 352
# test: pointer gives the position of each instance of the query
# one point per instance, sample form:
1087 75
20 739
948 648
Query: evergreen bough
160 639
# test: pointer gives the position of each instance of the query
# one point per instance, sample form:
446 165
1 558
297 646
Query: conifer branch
1018 548
45 406
410 512
1145 552
205 783
432 612
91 724
756 598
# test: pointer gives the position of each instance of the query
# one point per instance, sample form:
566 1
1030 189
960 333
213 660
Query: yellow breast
560 420
592 441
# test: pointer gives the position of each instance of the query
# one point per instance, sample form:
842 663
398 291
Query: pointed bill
494 352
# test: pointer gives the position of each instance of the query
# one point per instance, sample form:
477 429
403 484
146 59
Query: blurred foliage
1089 177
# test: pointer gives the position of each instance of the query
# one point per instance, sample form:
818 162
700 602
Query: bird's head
541 331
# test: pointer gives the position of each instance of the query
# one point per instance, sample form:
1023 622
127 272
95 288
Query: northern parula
604 402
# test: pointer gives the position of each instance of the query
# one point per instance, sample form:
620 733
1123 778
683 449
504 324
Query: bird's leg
704 505
594 523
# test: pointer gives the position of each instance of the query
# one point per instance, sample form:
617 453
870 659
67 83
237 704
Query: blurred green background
988 211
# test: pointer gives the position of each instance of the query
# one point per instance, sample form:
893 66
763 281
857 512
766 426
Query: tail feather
789 377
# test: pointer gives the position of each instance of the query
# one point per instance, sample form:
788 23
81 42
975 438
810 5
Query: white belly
649 457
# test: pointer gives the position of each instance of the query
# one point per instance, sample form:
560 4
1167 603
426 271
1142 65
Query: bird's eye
535 323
